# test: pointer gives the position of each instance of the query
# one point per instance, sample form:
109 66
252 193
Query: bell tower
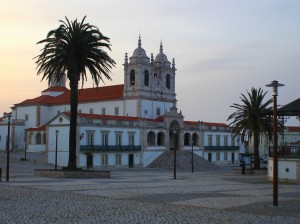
149 84
164 77
137 74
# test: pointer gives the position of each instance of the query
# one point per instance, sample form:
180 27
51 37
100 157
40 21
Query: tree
72 49
250 119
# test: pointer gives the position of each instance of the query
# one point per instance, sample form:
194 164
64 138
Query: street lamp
192 153
25 140
175 135
56 137
274 84
8 115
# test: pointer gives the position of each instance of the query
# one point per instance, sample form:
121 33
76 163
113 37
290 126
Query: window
116 110
105 139
132 77
131 139
91 111
210 140
90 138
38 138
157 111
218 140
146 78
26 117
168 81
151 138
218 156
118 139
160 138
225 156
104 159
187 138
195 139
225 140
118 159
103 110
232 141
79 111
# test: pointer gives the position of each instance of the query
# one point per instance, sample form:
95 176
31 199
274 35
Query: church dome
161 58
139 54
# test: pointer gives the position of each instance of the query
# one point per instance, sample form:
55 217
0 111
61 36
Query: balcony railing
110 148
292 152
221 148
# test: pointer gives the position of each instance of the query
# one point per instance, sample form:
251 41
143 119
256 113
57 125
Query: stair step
183 161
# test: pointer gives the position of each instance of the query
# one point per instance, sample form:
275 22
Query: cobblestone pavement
144 196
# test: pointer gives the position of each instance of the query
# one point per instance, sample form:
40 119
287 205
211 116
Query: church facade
127 125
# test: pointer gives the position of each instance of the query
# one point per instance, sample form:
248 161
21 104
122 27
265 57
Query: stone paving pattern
143 196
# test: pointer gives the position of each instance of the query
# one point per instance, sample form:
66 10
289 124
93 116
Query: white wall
130 108
288 170
31 111
151 107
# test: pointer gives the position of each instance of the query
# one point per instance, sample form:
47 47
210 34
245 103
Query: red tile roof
84 95
108 117
40 128
93 94
38 100
206 123
293 128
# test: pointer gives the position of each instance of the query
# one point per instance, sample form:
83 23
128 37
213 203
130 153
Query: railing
221 148
286 152
110 148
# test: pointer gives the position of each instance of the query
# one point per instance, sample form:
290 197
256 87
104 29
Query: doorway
130 160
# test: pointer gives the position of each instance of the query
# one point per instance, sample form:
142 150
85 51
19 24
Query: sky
222 48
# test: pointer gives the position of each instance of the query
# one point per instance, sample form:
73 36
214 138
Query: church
127 125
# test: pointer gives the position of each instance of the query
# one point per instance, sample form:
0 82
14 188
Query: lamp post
56 137
174 131
192 154
274 84
8 115
25 140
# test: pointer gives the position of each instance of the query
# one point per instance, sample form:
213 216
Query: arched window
187 137
146 78
151 138
44 138
132 77
195 139
160 138
38 138
168 81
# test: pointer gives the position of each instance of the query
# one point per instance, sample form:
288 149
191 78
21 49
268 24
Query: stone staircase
183 161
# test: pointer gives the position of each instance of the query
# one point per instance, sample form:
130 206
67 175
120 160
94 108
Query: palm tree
72 49
250 119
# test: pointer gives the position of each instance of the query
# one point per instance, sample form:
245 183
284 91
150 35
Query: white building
121 125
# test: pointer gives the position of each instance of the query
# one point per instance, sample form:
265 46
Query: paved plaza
142 196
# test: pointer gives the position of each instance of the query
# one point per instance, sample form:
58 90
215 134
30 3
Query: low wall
249 171
72 174
288 170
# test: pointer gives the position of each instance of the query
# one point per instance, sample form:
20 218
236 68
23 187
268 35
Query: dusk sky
222 48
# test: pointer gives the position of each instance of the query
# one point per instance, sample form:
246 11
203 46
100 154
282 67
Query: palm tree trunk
73 123
256 151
